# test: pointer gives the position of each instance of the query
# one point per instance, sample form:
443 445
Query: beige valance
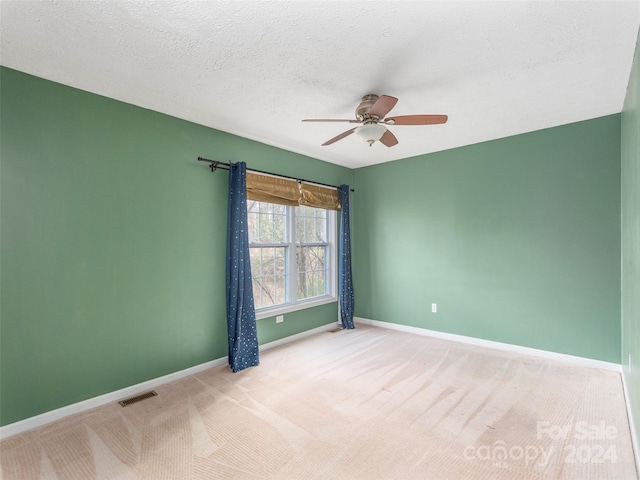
319 196
285 191
265 188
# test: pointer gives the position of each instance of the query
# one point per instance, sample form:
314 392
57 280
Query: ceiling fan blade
339 137
330 120
389 139
382 106
416 120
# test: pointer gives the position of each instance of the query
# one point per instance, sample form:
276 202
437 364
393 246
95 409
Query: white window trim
269 312
331 297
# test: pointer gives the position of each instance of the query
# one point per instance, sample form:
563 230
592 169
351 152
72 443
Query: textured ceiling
256 69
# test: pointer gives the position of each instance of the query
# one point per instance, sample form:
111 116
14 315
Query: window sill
281 310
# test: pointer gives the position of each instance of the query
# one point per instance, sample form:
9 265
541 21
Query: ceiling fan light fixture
370 132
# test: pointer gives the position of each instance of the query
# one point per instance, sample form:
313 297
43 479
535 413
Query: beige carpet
362 404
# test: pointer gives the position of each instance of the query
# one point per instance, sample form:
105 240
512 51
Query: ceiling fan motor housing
362 112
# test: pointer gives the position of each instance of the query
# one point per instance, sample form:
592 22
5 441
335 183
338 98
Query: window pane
311 225
266 228
321 228
268 270
279 227
252 206
266 207
315 283
267 222
309 229
298 233
252 220
311 271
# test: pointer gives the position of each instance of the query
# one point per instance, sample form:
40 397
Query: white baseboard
585 362
53 415
632 425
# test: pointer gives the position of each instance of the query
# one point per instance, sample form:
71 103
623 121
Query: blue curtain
345 281
241 313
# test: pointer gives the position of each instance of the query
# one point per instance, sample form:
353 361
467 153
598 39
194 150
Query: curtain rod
225 166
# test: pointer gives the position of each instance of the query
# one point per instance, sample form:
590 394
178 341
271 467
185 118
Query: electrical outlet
434 308
280 319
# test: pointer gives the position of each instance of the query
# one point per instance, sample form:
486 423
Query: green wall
517 240
631 239
113 244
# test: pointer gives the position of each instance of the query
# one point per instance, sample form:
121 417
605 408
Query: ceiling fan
371 114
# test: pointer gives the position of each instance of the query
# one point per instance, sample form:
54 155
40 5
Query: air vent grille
138 398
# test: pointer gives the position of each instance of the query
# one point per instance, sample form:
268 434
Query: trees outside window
292 254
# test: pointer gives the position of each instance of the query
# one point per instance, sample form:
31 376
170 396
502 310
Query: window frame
294 304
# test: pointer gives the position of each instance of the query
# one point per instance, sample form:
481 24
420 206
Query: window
292 256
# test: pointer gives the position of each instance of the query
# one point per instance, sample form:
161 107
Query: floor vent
336 330
138 398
